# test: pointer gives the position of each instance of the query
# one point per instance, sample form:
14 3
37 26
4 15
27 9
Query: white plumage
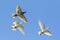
43 29
17 25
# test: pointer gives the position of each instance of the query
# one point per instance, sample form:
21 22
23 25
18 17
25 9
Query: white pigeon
17 25
43 29
20 14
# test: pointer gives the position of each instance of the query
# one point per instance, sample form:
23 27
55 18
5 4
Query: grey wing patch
42 26
18 10
23 18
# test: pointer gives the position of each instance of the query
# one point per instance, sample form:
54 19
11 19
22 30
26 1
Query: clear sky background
47 11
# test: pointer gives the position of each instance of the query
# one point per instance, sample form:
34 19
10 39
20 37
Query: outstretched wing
48 33
18 10
42 26
23 18
21 28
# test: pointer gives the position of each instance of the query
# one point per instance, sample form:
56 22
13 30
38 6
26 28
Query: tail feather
23 13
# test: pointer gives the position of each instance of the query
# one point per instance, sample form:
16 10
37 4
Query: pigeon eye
15 15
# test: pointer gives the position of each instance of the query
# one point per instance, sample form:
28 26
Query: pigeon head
14 15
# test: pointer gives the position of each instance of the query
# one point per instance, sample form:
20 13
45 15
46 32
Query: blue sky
46 10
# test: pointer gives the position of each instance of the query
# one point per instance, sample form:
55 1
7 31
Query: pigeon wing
48 33
18 10
21 28
42 26
23 18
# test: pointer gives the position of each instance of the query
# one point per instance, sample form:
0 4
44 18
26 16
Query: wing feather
18 10
23 18
48 33
42 26
21 28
